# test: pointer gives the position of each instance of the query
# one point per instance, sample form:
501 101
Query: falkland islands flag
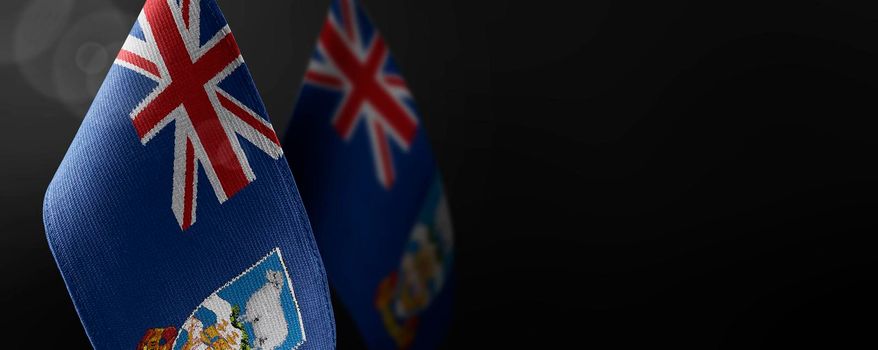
371 187
174 218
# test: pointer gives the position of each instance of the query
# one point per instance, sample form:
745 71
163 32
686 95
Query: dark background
696 174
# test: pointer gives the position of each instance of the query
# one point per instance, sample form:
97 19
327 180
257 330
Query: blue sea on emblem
256 310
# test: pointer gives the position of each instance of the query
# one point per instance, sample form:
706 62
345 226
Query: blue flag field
361 156
174 217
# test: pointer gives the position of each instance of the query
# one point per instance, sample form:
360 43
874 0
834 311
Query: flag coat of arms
174 217
371 187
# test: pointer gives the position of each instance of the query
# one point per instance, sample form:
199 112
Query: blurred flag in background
174 218
371 187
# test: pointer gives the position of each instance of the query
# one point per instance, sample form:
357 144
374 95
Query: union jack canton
188 64
353 59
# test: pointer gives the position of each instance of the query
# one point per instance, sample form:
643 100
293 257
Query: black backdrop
621 174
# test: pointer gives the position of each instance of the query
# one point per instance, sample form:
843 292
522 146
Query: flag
174 218
371 186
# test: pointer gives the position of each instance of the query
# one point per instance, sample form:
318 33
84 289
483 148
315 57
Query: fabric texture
174 217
